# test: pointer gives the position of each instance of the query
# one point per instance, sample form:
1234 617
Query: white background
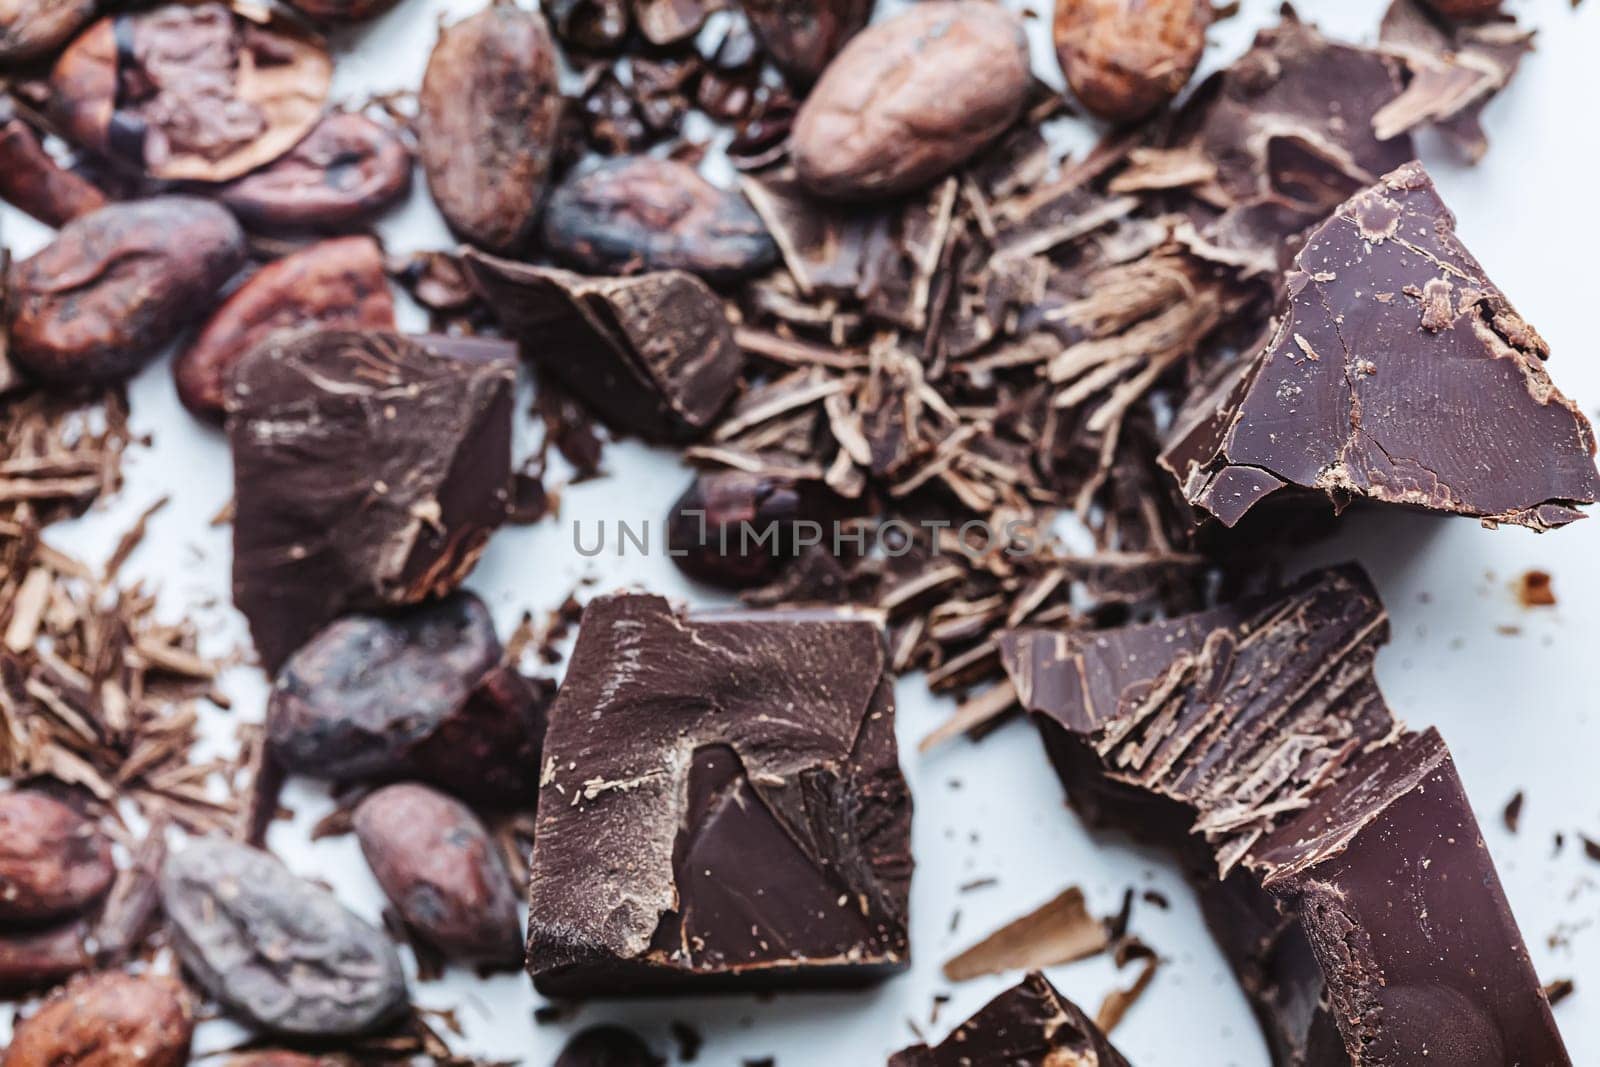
1517 709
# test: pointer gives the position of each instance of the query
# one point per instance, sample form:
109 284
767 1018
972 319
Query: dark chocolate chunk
653 355
1340 864
722 806
369 471
623 216
1397 373
607 1046
1029 1025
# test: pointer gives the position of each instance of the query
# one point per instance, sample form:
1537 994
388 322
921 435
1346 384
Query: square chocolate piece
721 806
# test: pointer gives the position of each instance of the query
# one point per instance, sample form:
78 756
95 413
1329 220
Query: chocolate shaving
1059 931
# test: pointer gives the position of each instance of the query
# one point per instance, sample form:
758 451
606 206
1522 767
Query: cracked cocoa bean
337 284
107 1020
347 171
912 98
30 29
440 869
279 951
34 182
117 284
490 109
803 36
53 862
1126 58
635 214
190 92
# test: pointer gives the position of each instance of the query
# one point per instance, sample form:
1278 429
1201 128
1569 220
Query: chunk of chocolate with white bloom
722 806
1340 864
652 355
369 471
1397 373
1029 1025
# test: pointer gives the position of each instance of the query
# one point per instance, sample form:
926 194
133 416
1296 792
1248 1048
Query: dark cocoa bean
337 283
342 10
190 92
30 29
1466 10
347 171
912 98
34 182
107 1020
279 951
594 25
803 36
488 748
607 1046
442 872
622 216
53 862
358 697
39 959
736 529
490 110
118 284
1126 58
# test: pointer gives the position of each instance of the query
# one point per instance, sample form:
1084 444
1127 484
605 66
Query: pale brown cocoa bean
1125 59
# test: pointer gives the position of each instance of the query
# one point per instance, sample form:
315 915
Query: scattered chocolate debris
1059 931
1117 1003
1559 990
1535 591
1512 815
1031 1023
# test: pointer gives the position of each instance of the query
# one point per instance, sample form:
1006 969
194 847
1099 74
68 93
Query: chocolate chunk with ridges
1029 1025
442 872
53 862
722 806
652 355
338 283
1340 866
1397 373
635 214
369 470
279 951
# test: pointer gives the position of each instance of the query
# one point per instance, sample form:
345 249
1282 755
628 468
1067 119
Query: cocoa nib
191 92
337 283
1397 373
652 355
118 284
634 214
348 170
490 108
369 471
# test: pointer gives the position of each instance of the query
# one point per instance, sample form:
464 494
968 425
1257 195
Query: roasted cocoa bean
338 283
607 1046
342 10
279 951
912 98
633 214
1126 58
442 872
358 697
347 171
736 529
490 111
107 1020
118 284
53 862
39 959
803 36
593 25
1466 10
668 22
34 182
282 1059
190 92
30 29
488 748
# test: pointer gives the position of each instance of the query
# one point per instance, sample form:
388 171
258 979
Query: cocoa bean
107 1020
718 530
34 182
442 872
1126 58
490 110
279 951
53 862
912 98
347 171
607 1046
803 36
337 283
30 29
634 214
31 960
117 284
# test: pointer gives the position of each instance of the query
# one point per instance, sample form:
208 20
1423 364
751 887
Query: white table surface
1518 709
